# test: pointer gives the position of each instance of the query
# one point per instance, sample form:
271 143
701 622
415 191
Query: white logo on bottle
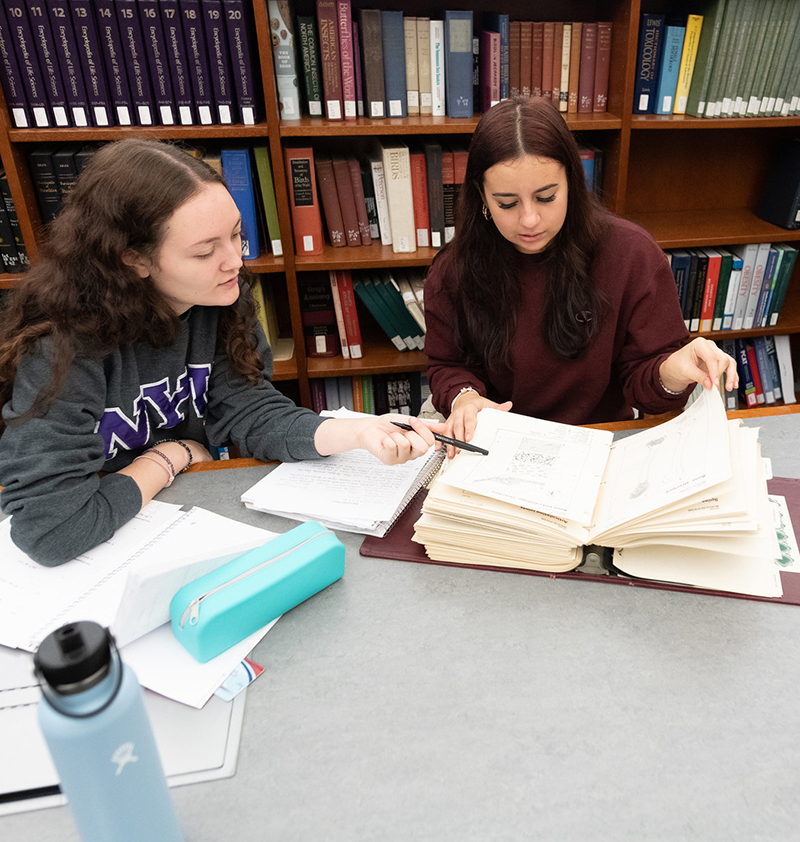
122 756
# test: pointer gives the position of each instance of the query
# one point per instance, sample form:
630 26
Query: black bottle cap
73 653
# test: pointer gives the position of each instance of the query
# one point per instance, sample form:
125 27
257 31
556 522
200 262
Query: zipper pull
191 613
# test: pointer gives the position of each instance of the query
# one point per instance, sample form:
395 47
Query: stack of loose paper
683 502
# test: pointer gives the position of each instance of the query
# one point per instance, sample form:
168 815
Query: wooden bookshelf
689 181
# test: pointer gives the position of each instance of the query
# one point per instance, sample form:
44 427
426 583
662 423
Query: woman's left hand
701 361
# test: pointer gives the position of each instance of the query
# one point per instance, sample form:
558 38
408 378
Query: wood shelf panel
9 281
685 121
380 357
89 135
363 257
265 264
285 369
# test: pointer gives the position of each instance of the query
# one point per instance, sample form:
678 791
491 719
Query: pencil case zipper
192 612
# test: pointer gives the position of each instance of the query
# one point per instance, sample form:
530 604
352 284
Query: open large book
683 502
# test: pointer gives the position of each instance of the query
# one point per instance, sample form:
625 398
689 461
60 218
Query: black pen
447 440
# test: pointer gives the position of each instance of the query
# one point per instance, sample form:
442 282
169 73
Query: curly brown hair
81 293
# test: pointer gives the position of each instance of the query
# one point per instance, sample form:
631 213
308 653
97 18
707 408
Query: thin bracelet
464 389
170 475
164 457
185 447
669 391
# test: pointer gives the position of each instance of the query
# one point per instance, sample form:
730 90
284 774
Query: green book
309 53
788 83
394 295
264 170
781 282
394 314
722 60
739 48
752 54
787 41
369 298
725 268
713 14
771 33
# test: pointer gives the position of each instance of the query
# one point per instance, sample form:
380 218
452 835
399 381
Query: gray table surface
417 702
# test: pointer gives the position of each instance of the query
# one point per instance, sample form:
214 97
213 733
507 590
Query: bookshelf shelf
266 263
685 121
88 135
363 257
377 359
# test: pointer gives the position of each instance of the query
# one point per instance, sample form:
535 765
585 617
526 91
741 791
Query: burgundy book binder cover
397 545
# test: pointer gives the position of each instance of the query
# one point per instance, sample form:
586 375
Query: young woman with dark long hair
545 301
132 345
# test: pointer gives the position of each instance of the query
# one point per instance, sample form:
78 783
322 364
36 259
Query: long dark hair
486 265
81 293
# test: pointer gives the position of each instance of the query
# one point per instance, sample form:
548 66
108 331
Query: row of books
736 288
247 171
380 63
267 313
766 373
375 394
738 59
128 62
12 248
393 298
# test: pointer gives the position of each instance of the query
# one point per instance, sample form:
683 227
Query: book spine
747 388
197 59
242 52
748 255
301 182
787 265
395 301
347 204
762 253
704 63
764 369
423 30
156 51
11 78
490 69
219 61
395 317
381 200
177 60
394 63
755 373
548 43
369 297
48 61
774 367
318 402
114 60
9 258
433 172
372 50
694 25
574 67
699 290
328 30
733 294
357 70
357 185
555 73
318 316
710 291
239 179
329 197
13 219
515 68
45 181
767 288
350 314
726 265
588 62
369 201
309 51
283 58
537 57
419 190
668 72
651 30
135 52
602 66
267 184
438 95
344 18
88 47
458 63
23 41
566 50
412 64
448 194
337 306
501 24
397 168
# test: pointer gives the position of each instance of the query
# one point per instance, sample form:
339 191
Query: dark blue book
458 63
219 61
33 82
156 48
66 167
87 44
67 56
394 63
495 22
45 181
9 259
178 60
767 286
681 261
194 39
648 61
11 212
11 78
242 51
113 58
764 369
747 386
48 60
238 175
135 52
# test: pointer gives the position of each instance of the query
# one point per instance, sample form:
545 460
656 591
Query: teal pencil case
216 611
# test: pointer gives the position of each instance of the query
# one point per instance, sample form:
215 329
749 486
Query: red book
514 57
337 307
347 56
602 66
358 395
754 372
318 403
490 68
588 62
419 191
351 324
537 56
330 200
548 42
710 292
558 40
574 67
347 202
301 181
360 200
318 315
525 56
329 57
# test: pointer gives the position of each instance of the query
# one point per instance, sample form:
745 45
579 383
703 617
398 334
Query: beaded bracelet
164 457
185 447
170 475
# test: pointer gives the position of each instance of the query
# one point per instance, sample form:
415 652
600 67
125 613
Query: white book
566 44
437 68
755 285
399 196
409 299
381 203
784 350
748 255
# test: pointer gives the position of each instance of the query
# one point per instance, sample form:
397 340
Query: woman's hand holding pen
464 417
700 361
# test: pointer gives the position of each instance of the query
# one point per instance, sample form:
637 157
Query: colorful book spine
283 58
368 296
767 286
419 190
48 60
239 179
219 61
197 59
710 289
301 183
156 52
500 23
344 19
490 69
350 314
691 41
268 201
668 72
35 84
648 62
328 31
394 63
747 387
135 53
337 307
704 62
782 283
309 53
242 53
458 63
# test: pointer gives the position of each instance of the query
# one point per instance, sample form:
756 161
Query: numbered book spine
11 78
283 58
88 47
329 198
241 53
33 79
219 61
360 200
156 52
458 63
394 63
239 180
178 61
347 203
135 52
197 58
116 73
48 61
309 51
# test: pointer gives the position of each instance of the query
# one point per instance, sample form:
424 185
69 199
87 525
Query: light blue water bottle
93 718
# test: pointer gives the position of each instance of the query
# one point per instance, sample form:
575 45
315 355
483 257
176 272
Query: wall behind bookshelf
689 181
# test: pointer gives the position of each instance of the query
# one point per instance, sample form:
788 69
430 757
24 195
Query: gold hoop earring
485 211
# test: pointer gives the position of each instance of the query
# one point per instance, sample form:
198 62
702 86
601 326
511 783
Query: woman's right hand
464 416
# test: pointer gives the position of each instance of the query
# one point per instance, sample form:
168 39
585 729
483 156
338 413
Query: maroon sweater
640 326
